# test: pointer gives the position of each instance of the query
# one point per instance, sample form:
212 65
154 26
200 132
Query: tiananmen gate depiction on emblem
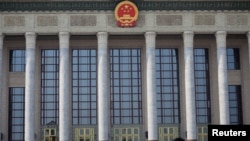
126 14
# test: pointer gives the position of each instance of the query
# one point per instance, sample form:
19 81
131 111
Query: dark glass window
167 85
17 61
202 87
16 114
235 104
84 90
126 95
50 87
233 58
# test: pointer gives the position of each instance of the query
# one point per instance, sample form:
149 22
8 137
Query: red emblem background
126 14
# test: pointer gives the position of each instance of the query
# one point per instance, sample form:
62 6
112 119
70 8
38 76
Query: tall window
84 87
49 98
235 104
233 58
202 88
17 61
16 114
126 95
167 85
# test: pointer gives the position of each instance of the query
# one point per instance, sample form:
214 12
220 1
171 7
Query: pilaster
64 93
30 86
189 85
1 40
248 39
1 71
222 77
103 87
150 38
188 39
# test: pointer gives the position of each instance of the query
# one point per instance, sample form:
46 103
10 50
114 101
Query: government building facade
112 70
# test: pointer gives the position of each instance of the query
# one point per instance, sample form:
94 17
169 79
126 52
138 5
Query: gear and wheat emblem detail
126 14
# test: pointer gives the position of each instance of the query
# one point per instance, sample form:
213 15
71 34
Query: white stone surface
103 86
150 38
64 93
222 77
29 123
189 85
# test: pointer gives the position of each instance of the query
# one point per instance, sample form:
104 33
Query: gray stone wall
89 22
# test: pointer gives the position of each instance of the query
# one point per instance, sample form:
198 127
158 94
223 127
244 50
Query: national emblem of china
126 14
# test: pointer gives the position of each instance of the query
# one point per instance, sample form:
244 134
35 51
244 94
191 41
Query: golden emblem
126 14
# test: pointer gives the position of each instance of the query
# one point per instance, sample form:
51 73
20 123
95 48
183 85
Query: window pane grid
126 99
235 105
16 114
167 85
202 93
84 87
233 58
17 61
50 87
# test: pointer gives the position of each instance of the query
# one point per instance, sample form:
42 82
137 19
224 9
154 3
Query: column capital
248 35
150 34
221 33
188 33
64 34
102 39
1 40
30 39
102 35
64 39
188 37
221 38
1 35
30 34
150 37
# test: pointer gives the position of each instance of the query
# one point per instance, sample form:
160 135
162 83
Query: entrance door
84 134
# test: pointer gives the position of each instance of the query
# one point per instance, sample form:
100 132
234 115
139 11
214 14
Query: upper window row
17 60
233 59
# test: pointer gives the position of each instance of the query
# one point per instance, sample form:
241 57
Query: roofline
110 5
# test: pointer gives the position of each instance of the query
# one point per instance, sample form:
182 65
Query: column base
191 140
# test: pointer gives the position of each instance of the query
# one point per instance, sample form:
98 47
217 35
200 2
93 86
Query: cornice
110 5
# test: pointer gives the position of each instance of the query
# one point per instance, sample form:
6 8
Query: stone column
222 77
189 85
30 86
103 86
151 86
248 37
64 93
1 71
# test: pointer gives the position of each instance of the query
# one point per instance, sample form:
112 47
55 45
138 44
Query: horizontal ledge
110 5
140 32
